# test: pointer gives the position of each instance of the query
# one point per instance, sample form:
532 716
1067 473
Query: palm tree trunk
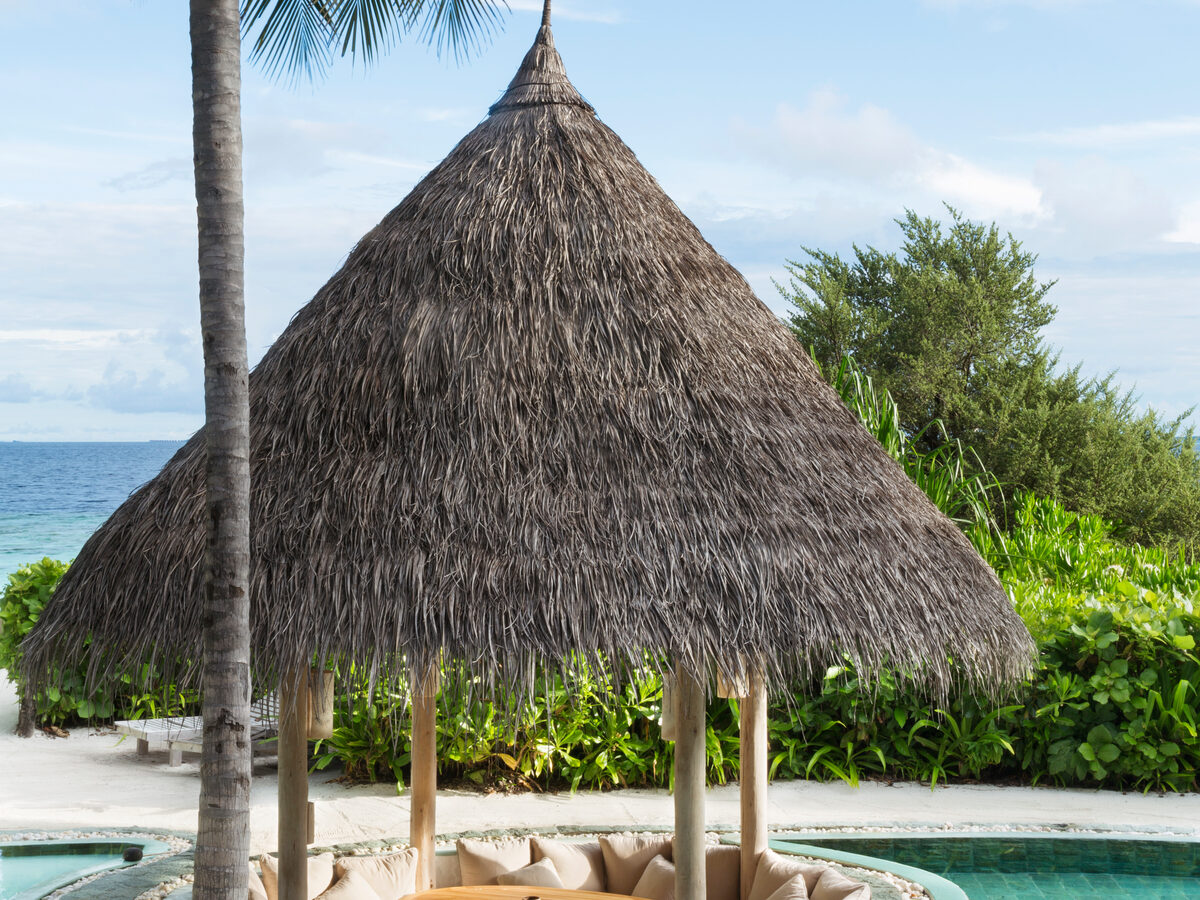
223 834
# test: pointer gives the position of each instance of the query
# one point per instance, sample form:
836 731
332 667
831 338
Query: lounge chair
186 733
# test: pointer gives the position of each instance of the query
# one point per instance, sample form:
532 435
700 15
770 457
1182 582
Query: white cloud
123 390
1117 134
1103 207
867 143
871 147
1187 225
60 338
16 389
979 190
148 370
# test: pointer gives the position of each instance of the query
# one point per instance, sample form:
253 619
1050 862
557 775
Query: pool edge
153 849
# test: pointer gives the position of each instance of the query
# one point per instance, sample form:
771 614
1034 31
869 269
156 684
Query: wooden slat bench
186 733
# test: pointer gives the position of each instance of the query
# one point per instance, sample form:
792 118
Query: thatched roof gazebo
536 414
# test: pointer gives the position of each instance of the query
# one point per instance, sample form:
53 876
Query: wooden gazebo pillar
752 780
293 786
690 707
423 790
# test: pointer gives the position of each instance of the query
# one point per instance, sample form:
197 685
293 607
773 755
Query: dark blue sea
53 496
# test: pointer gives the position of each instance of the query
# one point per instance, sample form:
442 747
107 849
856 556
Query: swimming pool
989 866
32 869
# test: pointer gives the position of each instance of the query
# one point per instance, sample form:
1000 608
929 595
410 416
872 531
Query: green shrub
24 598
66 700
1113 702
576 731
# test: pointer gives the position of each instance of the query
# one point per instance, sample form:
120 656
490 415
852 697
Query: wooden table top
513 892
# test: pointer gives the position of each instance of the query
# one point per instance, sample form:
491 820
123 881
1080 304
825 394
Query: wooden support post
690 708
319 723
143 747
423 791
753 779
293 786
668 708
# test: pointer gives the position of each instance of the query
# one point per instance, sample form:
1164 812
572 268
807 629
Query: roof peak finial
546 14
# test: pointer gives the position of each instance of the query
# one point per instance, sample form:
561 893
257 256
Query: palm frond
295 36
300 37
460 25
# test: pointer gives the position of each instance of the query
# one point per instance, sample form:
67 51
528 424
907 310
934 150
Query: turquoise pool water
994 866
31 869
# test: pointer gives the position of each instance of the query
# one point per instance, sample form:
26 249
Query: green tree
300 36
1085 442
950 325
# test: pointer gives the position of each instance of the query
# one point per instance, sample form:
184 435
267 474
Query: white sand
97 780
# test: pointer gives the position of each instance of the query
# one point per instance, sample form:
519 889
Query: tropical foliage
1113 702
951 326
67 699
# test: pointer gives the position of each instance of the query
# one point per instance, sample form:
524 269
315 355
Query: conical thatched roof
536 412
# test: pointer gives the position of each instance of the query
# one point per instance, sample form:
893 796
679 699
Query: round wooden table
513 892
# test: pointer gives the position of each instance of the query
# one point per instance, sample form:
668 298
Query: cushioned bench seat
635 865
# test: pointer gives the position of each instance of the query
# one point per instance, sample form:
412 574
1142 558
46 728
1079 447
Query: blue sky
1074 124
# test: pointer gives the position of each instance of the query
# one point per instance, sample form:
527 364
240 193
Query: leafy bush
24 598
67 700
1114 701
577 731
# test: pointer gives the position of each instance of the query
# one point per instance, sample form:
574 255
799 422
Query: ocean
53 496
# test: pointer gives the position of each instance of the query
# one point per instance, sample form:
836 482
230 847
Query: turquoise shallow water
53 496
31 869
21 873
1072 885
1052 866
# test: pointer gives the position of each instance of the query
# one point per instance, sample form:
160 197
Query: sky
777 125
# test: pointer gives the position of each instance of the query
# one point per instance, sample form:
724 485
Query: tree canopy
951 326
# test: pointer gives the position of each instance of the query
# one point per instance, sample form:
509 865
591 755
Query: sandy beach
95 779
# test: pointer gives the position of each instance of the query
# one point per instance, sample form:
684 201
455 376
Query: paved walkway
97 780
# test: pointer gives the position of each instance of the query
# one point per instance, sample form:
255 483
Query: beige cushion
773 870
579 865
391 876
626 857
657 881
481 861
835 885
539 874
257 890
354 886
794 888
320 874
722 872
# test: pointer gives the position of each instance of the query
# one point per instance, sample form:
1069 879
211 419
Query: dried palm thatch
535 413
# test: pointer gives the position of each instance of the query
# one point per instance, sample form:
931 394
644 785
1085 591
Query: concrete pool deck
96 780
